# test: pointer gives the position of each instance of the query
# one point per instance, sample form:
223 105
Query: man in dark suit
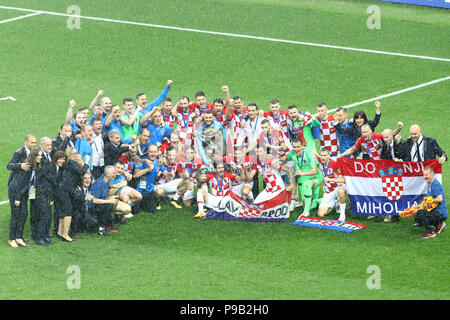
17 161
64 139
114 148
421 148
393 147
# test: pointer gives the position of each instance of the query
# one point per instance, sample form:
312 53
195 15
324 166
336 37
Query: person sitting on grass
220 183
146 172
309 178
333 185
119 187
432 216
99 204
173 182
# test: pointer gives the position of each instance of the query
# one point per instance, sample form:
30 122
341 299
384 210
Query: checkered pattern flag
392 187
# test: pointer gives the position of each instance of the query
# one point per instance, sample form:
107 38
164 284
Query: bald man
420 148
392 148
17 161
146 172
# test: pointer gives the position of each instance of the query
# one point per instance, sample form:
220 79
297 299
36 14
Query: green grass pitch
169 255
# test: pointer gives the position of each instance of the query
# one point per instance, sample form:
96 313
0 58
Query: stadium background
169 255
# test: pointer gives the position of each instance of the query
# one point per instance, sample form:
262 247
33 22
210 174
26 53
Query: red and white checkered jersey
128 165
372 147
271 175
235 126
281 119
168 119
198 110
331 170
328 136
220 186
191 167
222 119
174 169
234 162
185 128
275 138
250 132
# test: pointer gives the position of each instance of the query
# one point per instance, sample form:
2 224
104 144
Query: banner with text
233 207
385 187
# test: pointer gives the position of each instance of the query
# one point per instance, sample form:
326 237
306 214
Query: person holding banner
432 218
333 185
369 142
421 148
270 169
309 178
220 183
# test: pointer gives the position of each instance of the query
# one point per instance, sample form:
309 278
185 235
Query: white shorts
169 187
213 201
329 199
126 190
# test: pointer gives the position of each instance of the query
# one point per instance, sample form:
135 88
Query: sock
341 211
200 206
177 196
307 205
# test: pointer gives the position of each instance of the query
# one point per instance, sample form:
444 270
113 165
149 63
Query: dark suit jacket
19 184
14 164
399 150
113 153
59 144
430 151
71 175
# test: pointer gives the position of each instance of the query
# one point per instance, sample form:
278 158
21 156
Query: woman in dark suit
22 187
58 164
74 169
40 207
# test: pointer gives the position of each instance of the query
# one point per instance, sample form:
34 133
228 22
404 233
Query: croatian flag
385 187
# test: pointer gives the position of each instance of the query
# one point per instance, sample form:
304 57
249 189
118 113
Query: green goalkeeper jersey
304 163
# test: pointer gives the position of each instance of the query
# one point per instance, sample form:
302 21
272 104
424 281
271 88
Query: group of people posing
110 162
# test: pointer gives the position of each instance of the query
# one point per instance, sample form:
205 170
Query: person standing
421 148
17 161
20 189
74 169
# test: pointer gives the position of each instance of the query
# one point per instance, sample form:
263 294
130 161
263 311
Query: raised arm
69 113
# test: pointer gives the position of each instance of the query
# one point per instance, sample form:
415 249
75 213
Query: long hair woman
58 164
74 169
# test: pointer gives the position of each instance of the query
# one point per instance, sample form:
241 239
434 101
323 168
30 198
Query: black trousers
19 215
103 213
148 203
40 218
429 220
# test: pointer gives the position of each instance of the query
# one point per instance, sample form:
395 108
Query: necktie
418 151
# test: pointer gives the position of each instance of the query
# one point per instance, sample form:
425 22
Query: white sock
342 211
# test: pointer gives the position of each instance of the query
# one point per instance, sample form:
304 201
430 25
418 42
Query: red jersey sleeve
229 176
210 176
359 142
